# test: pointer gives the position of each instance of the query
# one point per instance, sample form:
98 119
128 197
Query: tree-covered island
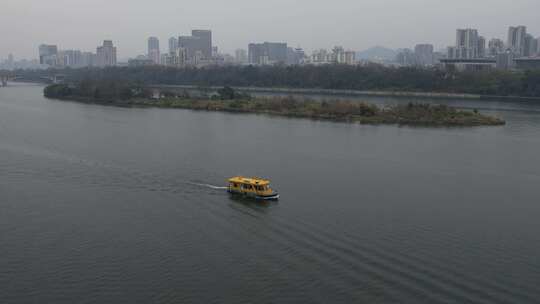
229 100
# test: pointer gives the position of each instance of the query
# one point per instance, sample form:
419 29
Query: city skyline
311 27
166 47
198 50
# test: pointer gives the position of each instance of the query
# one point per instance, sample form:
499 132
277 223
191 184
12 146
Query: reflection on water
115 205
240 203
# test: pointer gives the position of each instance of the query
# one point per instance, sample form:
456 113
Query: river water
117 205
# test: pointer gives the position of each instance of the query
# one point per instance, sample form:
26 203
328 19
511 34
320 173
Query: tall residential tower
173 45
516 39
153 50
106 54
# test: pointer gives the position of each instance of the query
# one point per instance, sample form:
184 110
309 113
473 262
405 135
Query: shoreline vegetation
325 92
368 78
228 100
352 93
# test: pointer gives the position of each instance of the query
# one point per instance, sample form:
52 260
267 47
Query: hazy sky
355 24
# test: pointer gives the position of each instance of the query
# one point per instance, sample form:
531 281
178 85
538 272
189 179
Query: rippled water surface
111 205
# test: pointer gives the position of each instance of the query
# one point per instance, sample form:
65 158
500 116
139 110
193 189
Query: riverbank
358 93
326 92
332 110
364 80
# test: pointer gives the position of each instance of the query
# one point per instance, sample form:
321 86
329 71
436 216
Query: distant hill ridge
377 52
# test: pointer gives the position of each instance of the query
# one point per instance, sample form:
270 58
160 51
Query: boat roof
249 180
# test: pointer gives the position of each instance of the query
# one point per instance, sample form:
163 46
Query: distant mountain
377 53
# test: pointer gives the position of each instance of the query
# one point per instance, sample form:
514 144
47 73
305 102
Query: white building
474 64
106 54
516 39
337 56
467 45
350 57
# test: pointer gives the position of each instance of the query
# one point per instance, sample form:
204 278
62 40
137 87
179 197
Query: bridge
10 76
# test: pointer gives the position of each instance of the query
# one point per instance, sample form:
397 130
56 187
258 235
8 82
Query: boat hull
272 197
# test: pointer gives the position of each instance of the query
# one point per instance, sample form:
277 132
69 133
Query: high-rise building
535 47
516 39
153 50
177 59
407 57
257 54
296 56
205 42
467 42
189 44
240 56
424 54
164 58
350 57
70 58
173 45
47 54
88 59
530 46
153 43
319 57
267 53
181 57
481 47
495 46
198 45
338 54
106 54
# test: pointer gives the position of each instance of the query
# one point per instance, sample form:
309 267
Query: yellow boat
254 187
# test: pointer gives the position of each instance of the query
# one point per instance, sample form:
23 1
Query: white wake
210 186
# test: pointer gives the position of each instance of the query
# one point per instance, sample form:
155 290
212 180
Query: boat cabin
252 186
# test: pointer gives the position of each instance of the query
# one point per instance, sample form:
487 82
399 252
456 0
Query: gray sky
355 24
